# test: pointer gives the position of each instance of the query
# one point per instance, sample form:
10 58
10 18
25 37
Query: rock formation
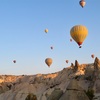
77 82
74 92
77 66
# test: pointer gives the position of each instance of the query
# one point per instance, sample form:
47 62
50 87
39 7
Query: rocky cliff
77 82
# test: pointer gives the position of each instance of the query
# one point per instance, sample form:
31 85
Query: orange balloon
82 3
48 61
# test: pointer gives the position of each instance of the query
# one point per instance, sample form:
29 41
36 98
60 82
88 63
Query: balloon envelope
82 3
48 61
46 30
66 61
14 61
79 33
70 40
92 55
51 47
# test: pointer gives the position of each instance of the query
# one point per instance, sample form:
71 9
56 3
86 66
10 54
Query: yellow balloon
79 33
46 30
48 61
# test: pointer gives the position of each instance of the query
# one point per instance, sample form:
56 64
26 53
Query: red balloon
66 61
92 55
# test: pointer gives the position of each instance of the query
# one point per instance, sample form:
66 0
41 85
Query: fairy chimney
96 64
77 66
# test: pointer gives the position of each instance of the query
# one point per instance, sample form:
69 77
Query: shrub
90 93
89 78
31 96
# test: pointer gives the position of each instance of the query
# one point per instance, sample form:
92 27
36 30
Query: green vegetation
90 94
89 78
76 77
31 96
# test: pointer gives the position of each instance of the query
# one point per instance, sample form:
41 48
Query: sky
22 36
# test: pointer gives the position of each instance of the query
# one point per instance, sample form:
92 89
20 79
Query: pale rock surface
67 84
56 94
74 92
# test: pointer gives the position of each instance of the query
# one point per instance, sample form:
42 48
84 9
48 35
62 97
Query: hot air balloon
92 55
82 3
48 61
46 30
66 61
79 33
70 40
51 47
14 61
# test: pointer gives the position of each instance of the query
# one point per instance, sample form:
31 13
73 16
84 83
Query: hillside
77 82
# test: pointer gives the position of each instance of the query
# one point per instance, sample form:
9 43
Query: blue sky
22 36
